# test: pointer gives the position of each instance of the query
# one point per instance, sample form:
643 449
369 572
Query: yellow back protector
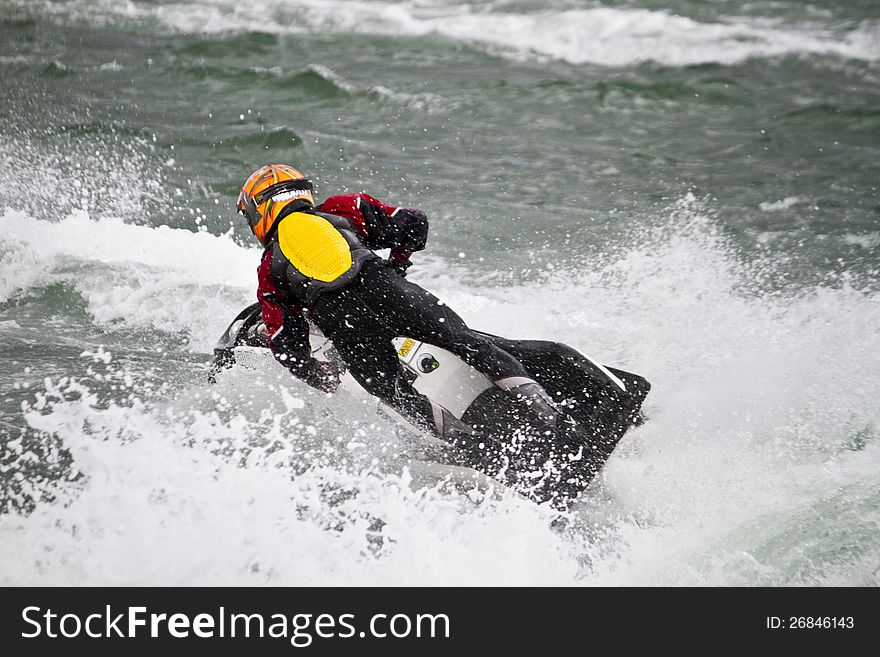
314 246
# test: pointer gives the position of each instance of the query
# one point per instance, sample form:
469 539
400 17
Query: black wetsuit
364 315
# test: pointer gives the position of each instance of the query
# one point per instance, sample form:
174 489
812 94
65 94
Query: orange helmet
267 192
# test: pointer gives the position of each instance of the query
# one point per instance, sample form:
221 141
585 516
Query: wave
599 35
317 80
275 139
131 276
757 465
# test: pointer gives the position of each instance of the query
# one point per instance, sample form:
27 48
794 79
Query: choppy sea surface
686 190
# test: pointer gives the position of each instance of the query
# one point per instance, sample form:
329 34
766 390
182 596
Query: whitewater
748 442
681 191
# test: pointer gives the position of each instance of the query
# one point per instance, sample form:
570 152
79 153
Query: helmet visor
287 190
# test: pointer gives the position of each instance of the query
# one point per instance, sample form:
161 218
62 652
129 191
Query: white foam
417 101
161 506
141 276
619 37
865 240
784 204
597 35
759 458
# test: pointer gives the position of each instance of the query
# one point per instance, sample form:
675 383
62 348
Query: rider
320 260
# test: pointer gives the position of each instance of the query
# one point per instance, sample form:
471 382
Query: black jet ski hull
601 403
556 467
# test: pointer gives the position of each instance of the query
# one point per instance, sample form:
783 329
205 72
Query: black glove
400 266
407 229
413 228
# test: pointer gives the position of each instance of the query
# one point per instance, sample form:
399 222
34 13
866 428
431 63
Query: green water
690 188
529 149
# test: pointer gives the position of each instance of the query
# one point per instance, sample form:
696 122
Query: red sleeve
273 315
288 331
349 206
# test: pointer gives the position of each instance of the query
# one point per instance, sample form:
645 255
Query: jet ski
510 445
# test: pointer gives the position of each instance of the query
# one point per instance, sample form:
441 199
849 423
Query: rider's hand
400 266
328 376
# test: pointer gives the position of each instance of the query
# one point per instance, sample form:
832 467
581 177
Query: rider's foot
533 395
451 428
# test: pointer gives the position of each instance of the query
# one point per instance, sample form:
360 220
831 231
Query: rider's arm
403 230
289 336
